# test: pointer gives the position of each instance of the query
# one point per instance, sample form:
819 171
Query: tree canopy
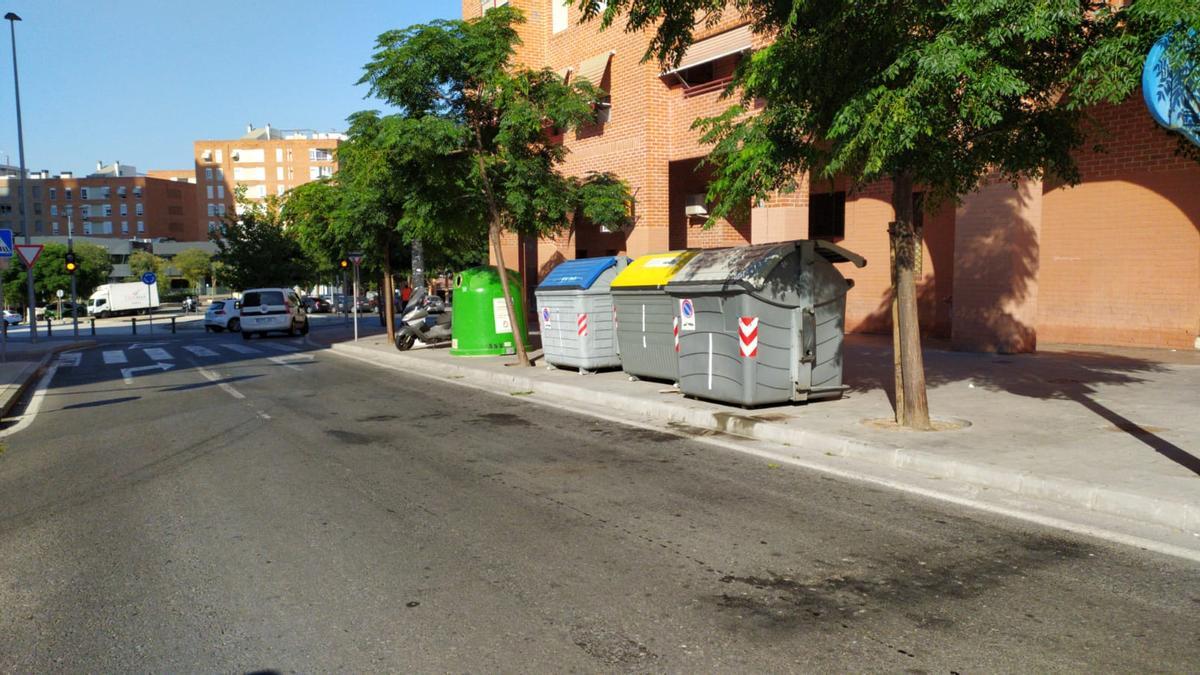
194 264
489 134
256 251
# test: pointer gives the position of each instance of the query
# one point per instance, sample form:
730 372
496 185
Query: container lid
577 274
654 270
751 266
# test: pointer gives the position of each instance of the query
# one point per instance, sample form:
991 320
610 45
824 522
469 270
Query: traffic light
344 264
70 264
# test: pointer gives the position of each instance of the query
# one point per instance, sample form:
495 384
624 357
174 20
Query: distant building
266 161
114 202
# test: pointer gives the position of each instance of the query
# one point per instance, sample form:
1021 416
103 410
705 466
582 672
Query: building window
5 208
124 226
289 154
220 156
220 174
67 194
83 193
70 210
37 191
291 174
206 156
54 210
220 192
53 194
279 190
320 155
141 226
212 226
85 210
560 14
54 227
124 209
827 216
138 209
209 191
87 227
487 5
37 226
212 210
279 173
315 172
121 192
108 209
208 173
37 208
221 210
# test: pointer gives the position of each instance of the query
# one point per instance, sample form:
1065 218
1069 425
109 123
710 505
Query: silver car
272 309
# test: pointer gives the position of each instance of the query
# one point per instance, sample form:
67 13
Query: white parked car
223 315
12 318
272 309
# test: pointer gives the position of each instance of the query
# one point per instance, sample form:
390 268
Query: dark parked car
315 305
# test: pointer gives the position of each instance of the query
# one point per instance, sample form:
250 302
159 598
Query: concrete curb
12 392
1179 515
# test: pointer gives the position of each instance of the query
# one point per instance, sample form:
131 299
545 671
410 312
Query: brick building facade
1004 269
123 205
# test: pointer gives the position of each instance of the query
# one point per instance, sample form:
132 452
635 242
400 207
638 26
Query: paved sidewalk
22 363
1115 432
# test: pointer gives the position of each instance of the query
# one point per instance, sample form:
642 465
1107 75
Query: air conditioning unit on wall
695 207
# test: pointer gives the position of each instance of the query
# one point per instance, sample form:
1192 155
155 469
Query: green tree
255 250
931 94
141 262
193 264
489 126
50 275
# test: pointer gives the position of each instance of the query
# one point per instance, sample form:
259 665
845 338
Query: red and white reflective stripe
581 322
675 330
615 324
748 335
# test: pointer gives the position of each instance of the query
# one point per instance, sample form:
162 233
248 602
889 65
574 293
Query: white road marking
225 386
200 351
35 403
159 354
286 360
280 347
114 357
127 373
69 359
241 349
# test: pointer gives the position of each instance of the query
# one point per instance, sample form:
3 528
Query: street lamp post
12 19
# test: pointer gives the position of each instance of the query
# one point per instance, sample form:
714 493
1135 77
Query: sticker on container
546 317
662 262
687 314
748 335
500 316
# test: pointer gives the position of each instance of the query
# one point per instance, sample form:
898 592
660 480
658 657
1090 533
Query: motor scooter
427 319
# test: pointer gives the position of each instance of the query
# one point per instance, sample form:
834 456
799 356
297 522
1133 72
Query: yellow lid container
653 271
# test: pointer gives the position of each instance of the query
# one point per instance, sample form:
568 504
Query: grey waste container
575 313
762 324
646 325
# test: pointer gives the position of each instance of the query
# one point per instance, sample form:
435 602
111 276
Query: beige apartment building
266 161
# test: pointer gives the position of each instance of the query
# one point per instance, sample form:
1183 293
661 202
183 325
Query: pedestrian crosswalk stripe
242 349
280 347
200 351
70 359
115 357
158 354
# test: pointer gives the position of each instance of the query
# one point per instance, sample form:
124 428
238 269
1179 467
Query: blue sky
139 80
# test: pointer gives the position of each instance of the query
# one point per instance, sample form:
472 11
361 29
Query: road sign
59 293
29 253
355 257
149 278
6 244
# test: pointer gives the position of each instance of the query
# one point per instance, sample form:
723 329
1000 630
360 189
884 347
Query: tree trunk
389 309
494 232
912 405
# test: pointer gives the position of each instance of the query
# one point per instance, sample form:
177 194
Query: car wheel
304 328
235 325
291 331
246 335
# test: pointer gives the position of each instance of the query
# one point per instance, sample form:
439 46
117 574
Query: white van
272 309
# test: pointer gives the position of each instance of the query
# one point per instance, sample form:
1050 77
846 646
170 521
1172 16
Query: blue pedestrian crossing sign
6 244
149 278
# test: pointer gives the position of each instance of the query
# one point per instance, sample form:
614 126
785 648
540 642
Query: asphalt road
281 508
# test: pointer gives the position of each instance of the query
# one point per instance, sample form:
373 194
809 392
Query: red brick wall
1120 262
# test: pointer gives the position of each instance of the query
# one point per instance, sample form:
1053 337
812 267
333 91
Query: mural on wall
1172 90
